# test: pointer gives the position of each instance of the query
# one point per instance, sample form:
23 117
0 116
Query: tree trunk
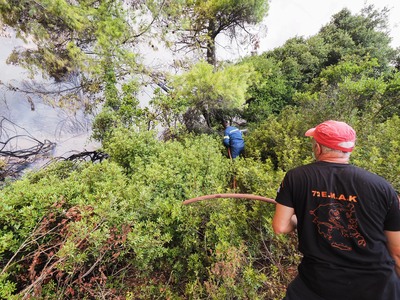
211 55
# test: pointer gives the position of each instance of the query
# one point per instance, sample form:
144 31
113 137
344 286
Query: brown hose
238 196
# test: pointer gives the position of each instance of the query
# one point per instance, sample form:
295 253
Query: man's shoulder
370 176
350 170
322 167
232 129
305 167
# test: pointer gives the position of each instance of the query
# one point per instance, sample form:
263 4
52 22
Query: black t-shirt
342 212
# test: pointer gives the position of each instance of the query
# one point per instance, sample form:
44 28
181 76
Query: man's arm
226 138
284 220
393 245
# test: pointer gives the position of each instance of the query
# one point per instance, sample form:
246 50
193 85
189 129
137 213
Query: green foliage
130 147
280 141
255 177
364 34
79 40
348 61
169 111
378 149
7 287
206 90
270 93
103 124
121 108
390 105
123 218
301 60
198 23
344 91
204 87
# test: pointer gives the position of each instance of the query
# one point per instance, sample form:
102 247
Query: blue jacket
233 138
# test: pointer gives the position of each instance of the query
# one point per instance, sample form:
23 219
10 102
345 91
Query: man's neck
332 157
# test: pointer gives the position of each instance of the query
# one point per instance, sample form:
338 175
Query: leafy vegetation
79 42
117 229
195 25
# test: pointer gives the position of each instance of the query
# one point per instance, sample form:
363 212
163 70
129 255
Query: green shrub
377 150
119 227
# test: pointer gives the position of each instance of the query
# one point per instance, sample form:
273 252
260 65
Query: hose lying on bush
238 196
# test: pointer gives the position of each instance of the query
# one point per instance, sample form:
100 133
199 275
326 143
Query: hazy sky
290 18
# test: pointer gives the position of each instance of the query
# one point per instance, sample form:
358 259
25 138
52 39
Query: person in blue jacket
233 140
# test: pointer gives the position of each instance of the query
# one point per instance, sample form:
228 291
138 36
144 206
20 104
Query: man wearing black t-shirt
347 220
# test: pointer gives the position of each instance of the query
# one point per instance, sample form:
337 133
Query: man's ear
318 149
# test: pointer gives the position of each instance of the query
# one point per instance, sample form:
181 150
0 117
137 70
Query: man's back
233 139
341 213
233 136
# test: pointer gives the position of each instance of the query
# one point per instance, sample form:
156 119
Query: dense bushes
118 228
378 150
